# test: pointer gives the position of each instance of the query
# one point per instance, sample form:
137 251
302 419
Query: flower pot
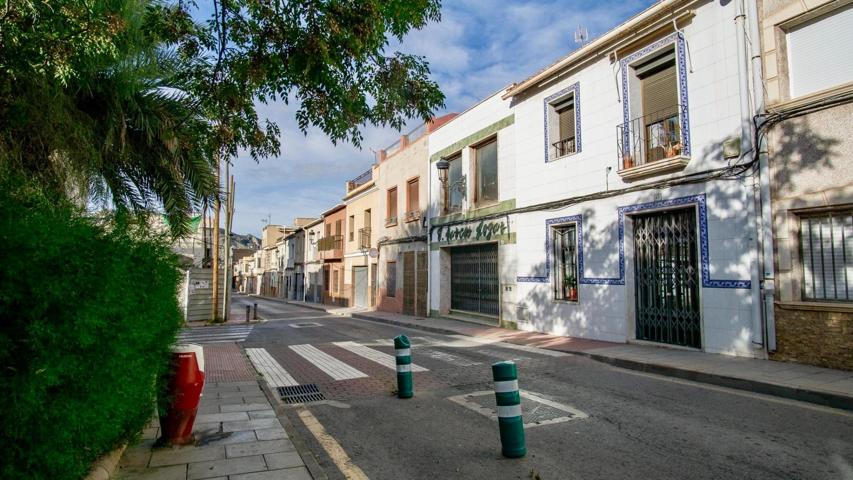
627 161
573 294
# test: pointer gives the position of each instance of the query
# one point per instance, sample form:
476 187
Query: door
421 281
667 278
359 275
409 283
474 279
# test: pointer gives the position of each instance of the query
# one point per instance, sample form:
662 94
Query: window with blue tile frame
562 121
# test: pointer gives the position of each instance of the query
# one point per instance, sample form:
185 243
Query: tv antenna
581 35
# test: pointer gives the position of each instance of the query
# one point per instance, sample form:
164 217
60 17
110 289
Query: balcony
563 147
364 239
413 215
651 144
360 180
332 242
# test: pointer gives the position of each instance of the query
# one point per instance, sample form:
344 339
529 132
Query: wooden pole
215 275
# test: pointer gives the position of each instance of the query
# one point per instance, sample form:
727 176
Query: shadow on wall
797 150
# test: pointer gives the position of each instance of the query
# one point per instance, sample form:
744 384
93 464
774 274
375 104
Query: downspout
746 135
768 283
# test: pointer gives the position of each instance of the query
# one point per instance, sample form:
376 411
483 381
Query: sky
478 48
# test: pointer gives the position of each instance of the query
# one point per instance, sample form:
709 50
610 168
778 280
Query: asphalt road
595 421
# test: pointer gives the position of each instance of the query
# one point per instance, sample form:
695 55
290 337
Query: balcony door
659 89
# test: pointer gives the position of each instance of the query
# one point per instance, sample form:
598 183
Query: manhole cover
305 325
535 409
301 393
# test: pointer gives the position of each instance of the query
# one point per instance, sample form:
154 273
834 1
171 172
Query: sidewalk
240 435
823 386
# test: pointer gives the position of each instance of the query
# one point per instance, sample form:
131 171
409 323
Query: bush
88 311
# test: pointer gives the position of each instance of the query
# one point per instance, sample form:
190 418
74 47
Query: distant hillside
245 241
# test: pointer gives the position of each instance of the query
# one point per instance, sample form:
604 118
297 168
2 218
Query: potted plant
570 287
673 149
627 161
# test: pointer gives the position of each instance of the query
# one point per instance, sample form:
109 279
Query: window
351 228
392 207
562 129
813 64
391 279
338 227
659 95
335 281
412 200
455 183
325 279
328 229
565 262
367 219
826 243
486 158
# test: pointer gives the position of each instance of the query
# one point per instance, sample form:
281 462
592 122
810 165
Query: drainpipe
768 284
746 135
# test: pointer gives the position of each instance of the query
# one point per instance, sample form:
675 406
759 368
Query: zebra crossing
215 334
338 370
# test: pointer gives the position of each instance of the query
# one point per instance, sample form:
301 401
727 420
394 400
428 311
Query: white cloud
477 48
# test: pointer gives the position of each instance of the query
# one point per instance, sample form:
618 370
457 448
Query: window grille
565 262
827 255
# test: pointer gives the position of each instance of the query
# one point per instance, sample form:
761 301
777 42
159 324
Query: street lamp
311 238
460 185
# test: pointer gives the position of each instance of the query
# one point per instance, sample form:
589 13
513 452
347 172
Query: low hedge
88 310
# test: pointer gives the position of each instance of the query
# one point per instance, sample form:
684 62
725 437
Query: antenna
581 35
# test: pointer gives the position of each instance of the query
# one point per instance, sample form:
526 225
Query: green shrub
88 311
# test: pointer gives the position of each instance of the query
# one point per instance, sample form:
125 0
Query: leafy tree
130 101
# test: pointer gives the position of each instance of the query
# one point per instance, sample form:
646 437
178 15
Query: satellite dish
374 253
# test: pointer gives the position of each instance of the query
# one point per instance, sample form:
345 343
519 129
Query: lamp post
443 166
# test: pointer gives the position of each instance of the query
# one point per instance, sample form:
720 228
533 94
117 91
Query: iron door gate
474 279
667 278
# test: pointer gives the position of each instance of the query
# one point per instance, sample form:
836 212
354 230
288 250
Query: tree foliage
131 100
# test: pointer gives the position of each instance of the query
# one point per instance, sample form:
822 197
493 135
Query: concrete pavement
239 435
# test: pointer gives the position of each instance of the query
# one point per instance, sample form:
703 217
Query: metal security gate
667 278
474 279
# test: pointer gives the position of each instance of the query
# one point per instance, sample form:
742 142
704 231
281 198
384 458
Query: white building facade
619 212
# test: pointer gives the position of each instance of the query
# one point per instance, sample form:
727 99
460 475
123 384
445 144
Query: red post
183 394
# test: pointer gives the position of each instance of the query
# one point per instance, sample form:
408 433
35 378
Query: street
583 419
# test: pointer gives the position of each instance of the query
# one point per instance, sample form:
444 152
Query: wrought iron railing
564 147
332 242
360 180
364 238
650 138
413 215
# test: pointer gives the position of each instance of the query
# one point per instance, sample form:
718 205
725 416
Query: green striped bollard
509 409
404 366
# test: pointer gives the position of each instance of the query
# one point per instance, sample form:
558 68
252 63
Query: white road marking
375 355
449 358
272 371
499 343
333 367
493 413
331 446
236 333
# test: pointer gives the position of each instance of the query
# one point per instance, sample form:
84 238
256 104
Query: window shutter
660 91
567 122
813 52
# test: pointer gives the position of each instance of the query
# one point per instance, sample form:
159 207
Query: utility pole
229 222
215 300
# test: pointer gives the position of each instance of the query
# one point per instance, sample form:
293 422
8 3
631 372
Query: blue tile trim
576 87
698 200
681 62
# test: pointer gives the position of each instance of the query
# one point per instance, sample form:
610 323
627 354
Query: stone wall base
814 337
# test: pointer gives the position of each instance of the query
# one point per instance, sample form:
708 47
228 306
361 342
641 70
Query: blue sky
479 46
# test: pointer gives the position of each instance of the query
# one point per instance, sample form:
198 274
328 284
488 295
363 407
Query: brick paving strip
823 386
240 435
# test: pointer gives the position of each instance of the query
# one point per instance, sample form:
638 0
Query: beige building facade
359 240
809 104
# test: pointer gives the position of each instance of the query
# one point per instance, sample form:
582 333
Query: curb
105 467
803 395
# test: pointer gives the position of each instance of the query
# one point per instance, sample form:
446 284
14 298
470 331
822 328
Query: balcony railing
332 242
360 180
650 138
564 147
364 238
413 215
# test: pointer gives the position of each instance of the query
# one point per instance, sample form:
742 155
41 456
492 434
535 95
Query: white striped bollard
508 401
403 349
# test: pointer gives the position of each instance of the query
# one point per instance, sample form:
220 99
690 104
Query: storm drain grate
301 393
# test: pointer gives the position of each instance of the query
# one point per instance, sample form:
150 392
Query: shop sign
484 230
